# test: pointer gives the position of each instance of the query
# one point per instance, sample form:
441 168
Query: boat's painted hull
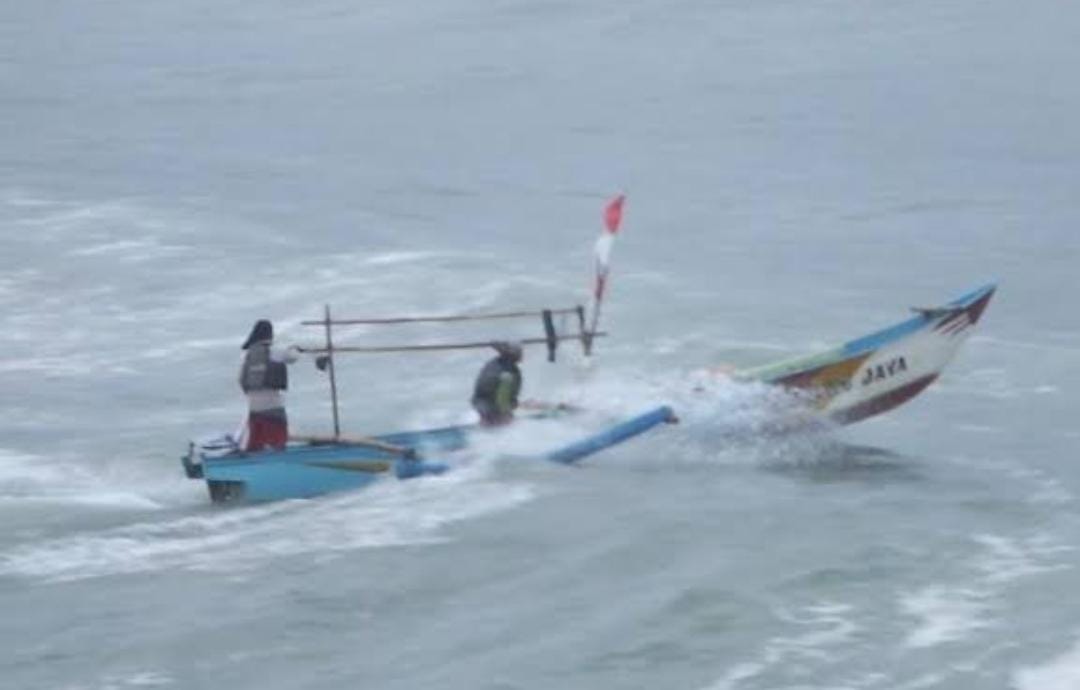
878 372
304 471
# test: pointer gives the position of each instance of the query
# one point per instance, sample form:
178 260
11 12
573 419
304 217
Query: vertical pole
586 337
592 328
330 364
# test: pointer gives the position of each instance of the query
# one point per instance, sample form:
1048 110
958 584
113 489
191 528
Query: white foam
945 614
241 539
28 479
147 679
1007 559
931 679
130 250
979 428
18 198
131 679
401 257
1047 489
828 626
70 365
1060 673
991 340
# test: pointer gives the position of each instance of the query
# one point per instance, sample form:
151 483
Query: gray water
797 174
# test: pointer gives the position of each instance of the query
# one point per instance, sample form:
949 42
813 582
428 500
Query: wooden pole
592 328
586 339
330 364
440 319
448 346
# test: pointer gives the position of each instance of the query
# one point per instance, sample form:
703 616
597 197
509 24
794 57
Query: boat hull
880 371
305 471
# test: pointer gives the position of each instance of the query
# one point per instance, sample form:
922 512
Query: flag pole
612 219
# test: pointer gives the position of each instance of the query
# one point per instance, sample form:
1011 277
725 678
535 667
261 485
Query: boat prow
880 371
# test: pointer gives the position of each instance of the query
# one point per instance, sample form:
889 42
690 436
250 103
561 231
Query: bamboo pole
441 319
441 346
333 381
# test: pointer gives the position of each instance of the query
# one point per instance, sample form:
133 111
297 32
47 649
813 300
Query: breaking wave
29 479
239 539
1059 673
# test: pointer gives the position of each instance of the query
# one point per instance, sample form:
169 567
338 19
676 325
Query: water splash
242 539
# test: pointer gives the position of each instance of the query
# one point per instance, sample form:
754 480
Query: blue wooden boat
311 469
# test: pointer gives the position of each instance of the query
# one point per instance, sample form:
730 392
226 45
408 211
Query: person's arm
284 355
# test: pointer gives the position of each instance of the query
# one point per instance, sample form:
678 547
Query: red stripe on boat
885 401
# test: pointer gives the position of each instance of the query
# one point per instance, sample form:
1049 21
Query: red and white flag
613 214
612 219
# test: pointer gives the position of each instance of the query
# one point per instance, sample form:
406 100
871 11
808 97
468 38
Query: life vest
260 373
491 379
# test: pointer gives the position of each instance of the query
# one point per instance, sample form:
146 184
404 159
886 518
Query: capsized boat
880 371
320 466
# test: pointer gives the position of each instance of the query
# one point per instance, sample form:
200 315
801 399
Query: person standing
495 396
263 378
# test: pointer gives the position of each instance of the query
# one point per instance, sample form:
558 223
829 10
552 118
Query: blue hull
310 470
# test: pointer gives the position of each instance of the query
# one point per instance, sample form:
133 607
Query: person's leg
257 433
277 431
489 415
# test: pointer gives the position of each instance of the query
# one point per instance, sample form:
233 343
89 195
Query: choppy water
797 174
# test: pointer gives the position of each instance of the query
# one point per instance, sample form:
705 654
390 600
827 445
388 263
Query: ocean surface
797 174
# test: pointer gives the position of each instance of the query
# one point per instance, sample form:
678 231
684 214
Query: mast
330 365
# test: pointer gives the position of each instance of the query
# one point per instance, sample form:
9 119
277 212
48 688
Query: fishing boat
878 372
859 379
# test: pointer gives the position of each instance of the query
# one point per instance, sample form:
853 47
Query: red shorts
267 430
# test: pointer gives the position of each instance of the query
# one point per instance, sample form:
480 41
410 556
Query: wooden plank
349 440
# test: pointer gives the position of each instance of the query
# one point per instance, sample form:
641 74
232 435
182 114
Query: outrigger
311 465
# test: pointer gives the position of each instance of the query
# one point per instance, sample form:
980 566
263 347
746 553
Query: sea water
797 174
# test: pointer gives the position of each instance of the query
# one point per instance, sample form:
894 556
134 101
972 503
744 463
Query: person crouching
495 396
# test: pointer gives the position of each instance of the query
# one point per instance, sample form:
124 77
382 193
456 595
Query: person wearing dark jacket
263 377
495 396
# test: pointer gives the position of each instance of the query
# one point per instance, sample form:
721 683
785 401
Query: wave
824 627
28 479
241 539
1059 673
945 613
